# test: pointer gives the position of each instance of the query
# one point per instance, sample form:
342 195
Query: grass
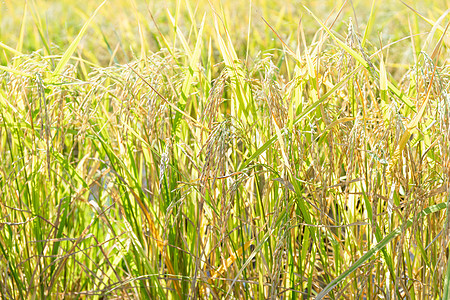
244 149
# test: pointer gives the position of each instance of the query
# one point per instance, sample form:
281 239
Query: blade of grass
71 49
21 34
369 25
374 249
12 50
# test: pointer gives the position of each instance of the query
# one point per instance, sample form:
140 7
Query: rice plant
224 150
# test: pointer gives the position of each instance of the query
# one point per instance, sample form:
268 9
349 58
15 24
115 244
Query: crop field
207 149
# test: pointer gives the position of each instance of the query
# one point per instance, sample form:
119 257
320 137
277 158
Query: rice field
224 149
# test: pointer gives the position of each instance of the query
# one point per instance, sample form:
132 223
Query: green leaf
387 239
68 54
